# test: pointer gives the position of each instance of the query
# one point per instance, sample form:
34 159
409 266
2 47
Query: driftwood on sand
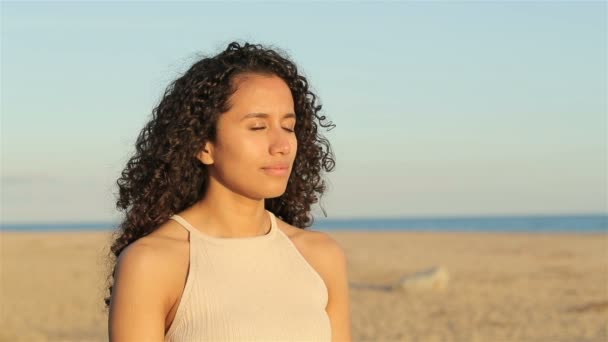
433 279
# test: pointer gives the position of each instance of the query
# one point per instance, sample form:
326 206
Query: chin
274 191
273 194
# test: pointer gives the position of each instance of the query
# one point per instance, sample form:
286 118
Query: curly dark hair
164 176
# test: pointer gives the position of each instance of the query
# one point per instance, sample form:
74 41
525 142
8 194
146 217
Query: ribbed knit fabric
249 289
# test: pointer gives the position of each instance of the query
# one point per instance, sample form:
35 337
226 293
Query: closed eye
260 128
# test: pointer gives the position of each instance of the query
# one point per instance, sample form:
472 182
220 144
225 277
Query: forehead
261 93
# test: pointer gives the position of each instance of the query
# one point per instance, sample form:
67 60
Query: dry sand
502 286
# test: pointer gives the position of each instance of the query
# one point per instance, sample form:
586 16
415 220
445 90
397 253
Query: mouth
276 171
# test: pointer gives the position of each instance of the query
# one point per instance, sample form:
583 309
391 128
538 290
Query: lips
277 166
277 169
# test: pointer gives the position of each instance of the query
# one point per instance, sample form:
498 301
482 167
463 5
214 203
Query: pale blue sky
441 108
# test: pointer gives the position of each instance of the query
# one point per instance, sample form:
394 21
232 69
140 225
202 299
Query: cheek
294 144
243 152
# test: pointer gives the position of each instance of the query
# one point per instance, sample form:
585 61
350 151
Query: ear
206 155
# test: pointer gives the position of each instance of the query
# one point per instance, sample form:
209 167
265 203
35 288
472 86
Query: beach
500 287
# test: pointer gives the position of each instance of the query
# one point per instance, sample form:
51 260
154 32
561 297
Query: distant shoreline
588 223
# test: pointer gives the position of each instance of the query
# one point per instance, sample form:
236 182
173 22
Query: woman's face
255 144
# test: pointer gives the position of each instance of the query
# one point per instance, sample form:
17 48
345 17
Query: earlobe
205 155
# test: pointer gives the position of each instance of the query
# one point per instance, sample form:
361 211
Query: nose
280 142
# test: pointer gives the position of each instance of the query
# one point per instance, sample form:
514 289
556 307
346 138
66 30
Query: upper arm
336 278
139 302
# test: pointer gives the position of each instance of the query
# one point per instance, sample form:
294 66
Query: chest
247 280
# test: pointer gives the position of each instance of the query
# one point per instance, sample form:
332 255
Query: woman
216 199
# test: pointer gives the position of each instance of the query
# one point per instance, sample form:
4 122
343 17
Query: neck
223 213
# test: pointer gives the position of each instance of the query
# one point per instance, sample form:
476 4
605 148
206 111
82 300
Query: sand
502 286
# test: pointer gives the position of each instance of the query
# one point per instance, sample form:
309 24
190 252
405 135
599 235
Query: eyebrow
265 115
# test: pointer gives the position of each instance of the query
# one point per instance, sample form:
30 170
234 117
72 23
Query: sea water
515 223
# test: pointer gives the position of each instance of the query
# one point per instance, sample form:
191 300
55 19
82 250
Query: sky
441 108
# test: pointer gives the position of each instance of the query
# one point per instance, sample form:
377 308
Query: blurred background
441 108
489 117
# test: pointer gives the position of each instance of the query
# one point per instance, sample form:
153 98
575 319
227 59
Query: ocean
591 223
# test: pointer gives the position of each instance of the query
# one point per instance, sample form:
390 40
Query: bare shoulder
140 297
145 261
159 258
327 256
332 263
157 248
140 257
320 249
331 258
170 246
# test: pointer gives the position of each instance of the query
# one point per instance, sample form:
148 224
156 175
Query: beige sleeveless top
249 289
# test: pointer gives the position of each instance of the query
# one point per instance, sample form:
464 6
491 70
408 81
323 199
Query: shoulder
143 252
140 296
330 260
322 243
332 264
153 249
320 249
151 262
330 252
137 257
330 248
142 265
328 257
